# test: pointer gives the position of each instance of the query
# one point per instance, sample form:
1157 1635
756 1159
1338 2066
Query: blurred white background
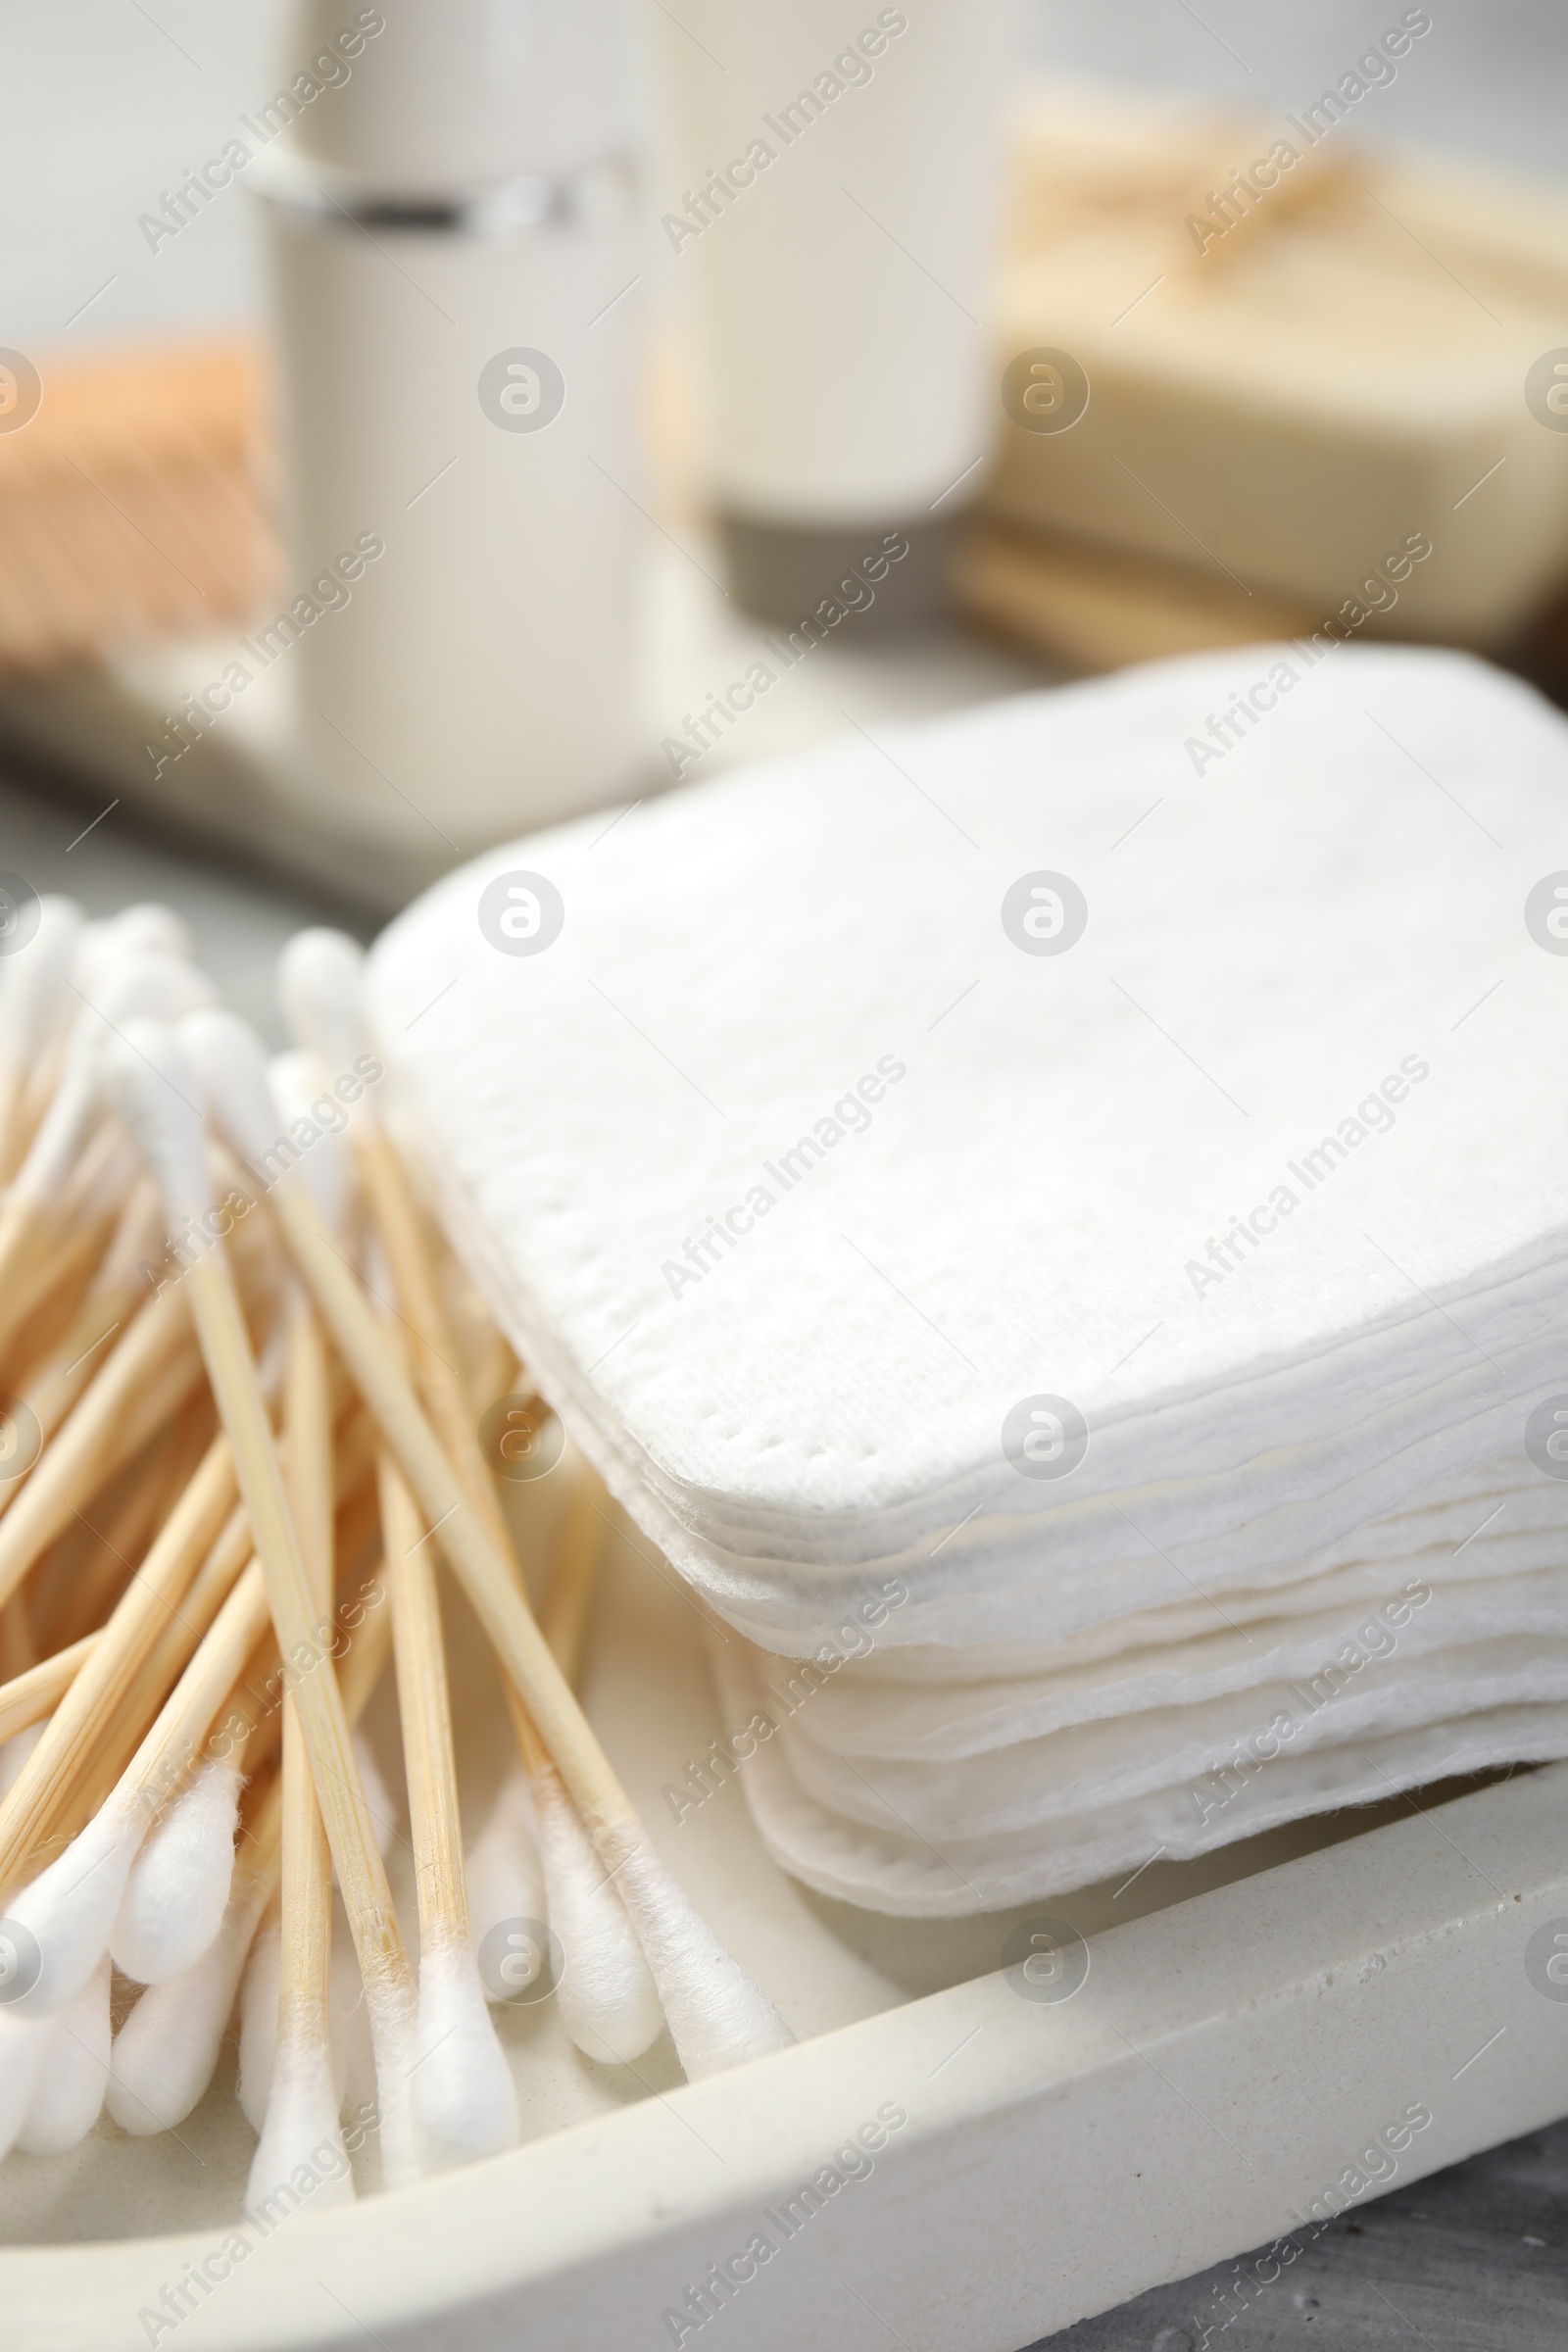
105 102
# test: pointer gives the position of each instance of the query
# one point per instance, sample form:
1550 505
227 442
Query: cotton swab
301 2103
464 2100
28 1697
608 1998
68 1910
35 991
717 2017
69 2095
29 1218
99 1689
147 927
178 1892
259 2003
111 1298
165 2051
93 1442
164 2054
607 1995
156 1094
502 1868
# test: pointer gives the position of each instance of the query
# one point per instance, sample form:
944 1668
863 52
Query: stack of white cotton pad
1065 1231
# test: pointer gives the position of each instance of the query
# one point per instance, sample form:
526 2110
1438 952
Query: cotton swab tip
154 1090
609 2003
717 2017
147 927
503 1871
174 1901
300 2160
319 975
230 1061
165 2052
464 2100
69 2095
57 1928
258 2022
314 1121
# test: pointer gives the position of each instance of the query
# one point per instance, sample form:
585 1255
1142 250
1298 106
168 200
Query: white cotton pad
970 1189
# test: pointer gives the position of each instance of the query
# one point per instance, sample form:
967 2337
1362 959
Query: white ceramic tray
1250 2033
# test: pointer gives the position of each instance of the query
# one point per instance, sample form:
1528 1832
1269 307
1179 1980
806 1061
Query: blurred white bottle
837 174
455 256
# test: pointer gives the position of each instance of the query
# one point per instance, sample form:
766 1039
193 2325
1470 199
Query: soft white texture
1038 1234
607 1997
129 987
300 2130
146 928
229 1062
165 2052
69 1908
178 1892
300 1089
502 1869
25 2044
717 2017
1035 1193
154 1090
34 990
69 2095
464 2100
258 2021
66 1124
390 2014
319 975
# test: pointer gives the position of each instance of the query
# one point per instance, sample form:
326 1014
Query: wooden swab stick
112 1297
579 1546
160 1477
91 1443
30 1697
464 2100
716 2015
34 996
69 1909
302 2109
157 1096
42 1786
31 1222
163 2057
607 1997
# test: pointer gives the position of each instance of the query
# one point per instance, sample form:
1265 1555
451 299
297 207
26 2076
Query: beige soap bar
1291 392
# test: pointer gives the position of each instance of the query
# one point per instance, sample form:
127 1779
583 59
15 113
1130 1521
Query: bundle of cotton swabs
237 1424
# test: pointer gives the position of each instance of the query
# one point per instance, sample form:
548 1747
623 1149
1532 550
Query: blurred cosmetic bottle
835 180
454 253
